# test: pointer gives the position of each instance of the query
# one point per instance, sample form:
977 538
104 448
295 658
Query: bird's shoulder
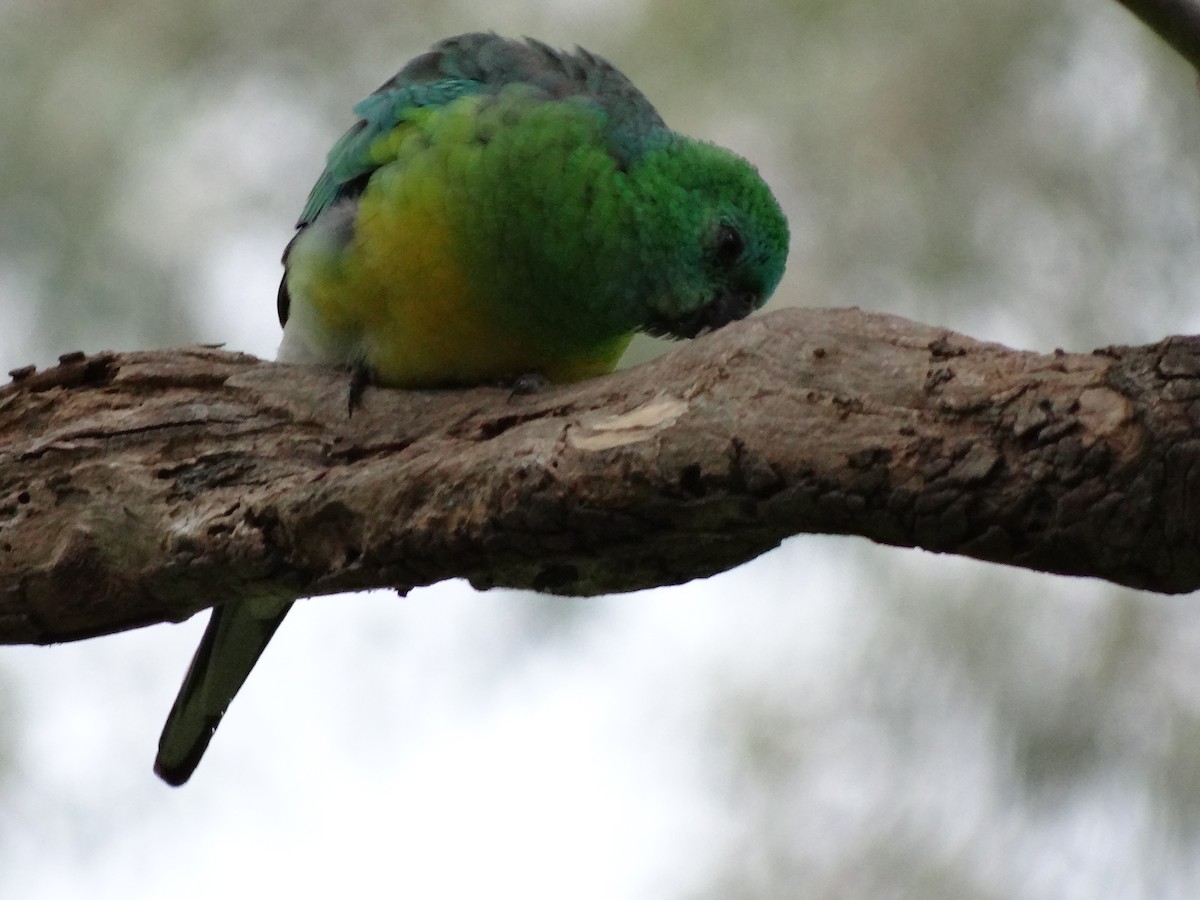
483 64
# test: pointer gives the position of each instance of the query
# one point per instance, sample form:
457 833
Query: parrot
499 209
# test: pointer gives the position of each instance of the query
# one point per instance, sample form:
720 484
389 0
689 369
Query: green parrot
500 209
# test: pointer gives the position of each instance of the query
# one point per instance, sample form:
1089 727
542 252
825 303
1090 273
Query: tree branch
1176 21
141 487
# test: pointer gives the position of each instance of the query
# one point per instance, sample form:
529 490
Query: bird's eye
729 245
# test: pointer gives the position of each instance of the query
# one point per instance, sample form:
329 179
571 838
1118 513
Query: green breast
493 240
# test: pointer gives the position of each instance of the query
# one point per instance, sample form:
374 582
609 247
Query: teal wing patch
349 163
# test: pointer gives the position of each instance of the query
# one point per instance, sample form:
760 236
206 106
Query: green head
715 238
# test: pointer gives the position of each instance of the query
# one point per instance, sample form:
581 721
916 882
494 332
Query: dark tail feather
236 636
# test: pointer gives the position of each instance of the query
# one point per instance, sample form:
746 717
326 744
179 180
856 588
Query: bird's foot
360 378
526 384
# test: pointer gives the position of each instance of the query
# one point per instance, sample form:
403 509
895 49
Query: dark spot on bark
943 349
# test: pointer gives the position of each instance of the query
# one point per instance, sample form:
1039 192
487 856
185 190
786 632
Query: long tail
236 636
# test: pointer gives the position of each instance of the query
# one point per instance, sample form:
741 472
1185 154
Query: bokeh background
834 719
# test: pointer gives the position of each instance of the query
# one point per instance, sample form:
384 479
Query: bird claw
360 378
526 384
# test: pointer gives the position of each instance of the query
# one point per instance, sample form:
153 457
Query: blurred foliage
985 734
1023 172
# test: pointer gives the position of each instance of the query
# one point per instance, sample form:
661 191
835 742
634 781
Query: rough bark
141 487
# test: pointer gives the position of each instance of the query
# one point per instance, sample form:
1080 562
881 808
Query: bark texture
142 487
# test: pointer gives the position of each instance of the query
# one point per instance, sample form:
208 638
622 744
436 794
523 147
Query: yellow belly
421 323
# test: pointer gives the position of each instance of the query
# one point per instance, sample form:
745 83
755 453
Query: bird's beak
729 306
725 307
